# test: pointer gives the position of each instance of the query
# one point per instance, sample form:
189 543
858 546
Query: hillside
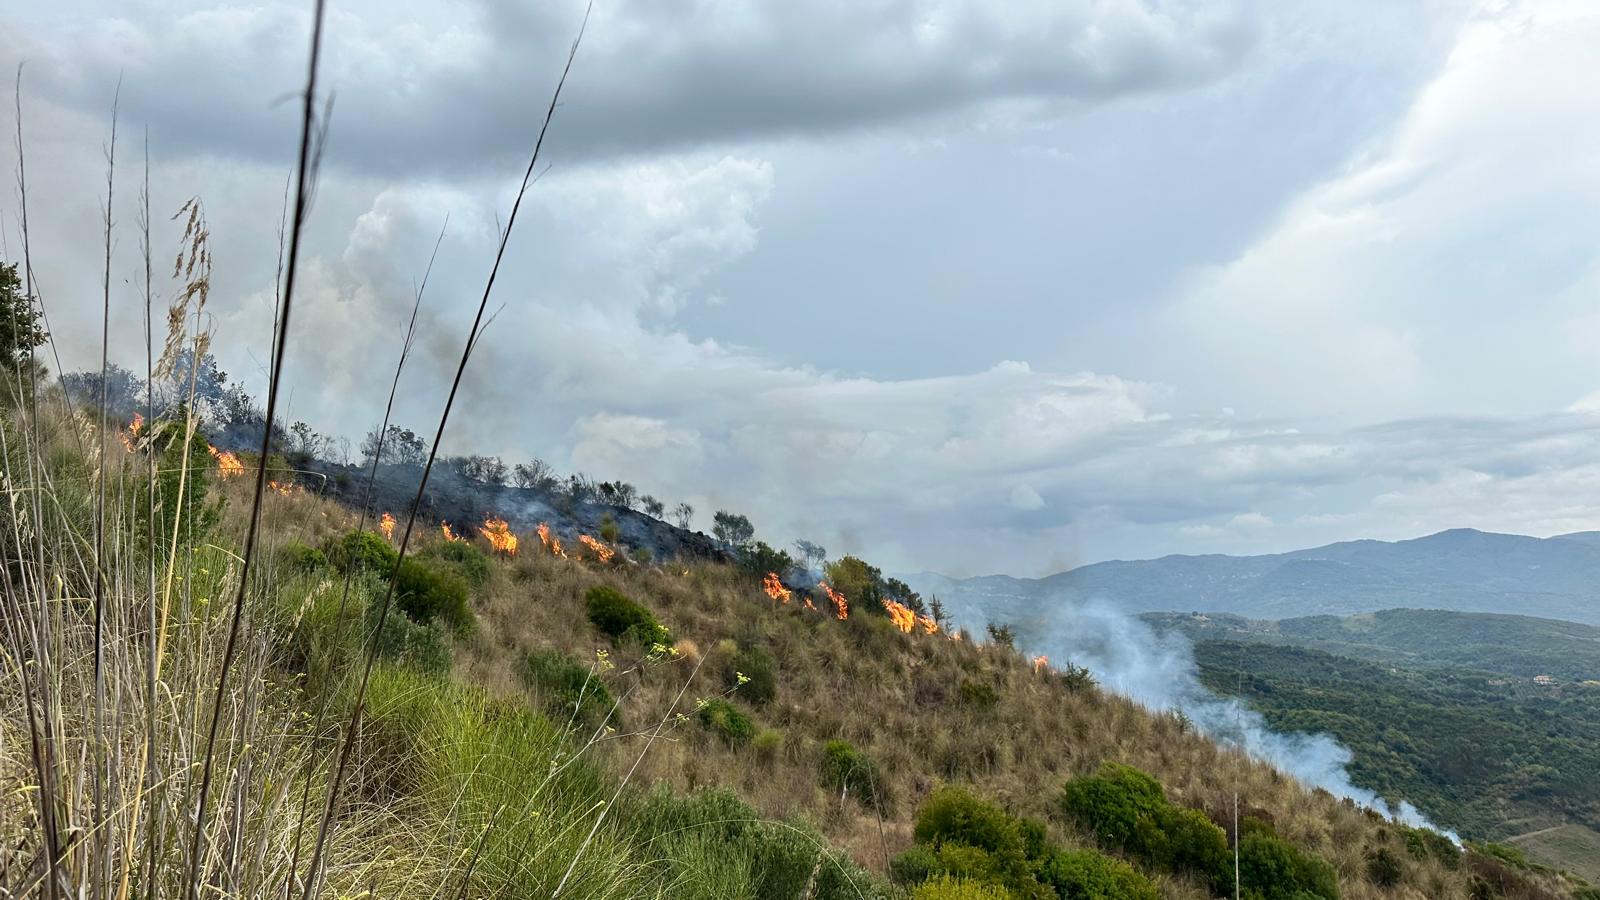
1521 646
1489 755
599 724
1462 570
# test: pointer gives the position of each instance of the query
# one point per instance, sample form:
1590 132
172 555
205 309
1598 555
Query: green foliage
609 532
760 682
857 580
978 694
946 887
1383 866
759 558
975 838
732 529
726 721
1471 749
1087 875
719 847
852 772
571 692
1503 852
422 646
1271 868
300 558
428 592
1424 843
362 550
182 495
621 619
19 320
461 557
768 743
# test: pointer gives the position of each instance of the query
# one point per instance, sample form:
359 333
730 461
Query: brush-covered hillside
219 683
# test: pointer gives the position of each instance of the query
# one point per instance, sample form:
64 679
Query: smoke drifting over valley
1159 671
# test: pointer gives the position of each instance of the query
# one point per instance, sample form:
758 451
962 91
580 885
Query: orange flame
809 605
450 535
1041 663
284 488
600 551
841 606
499 536
901 615
955 635
228 465
774 588
928 625
386 525
550 541
131 435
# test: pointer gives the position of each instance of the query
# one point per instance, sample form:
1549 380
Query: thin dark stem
305 177
422 485
100 561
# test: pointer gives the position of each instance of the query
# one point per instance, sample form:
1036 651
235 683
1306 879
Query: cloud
438 86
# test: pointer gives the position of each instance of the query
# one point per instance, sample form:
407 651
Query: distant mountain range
1462 569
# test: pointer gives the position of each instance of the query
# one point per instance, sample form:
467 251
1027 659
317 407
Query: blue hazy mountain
1462 569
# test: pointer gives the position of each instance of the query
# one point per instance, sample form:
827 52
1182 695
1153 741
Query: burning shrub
620 618
570 690
726 721
1085 873
361 550
428 592
760 682
856 579
853 772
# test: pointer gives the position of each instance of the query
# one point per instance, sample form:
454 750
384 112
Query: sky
956 285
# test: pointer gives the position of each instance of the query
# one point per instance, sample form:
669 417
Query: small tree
732 529
652 507
535 473
684 513
1002 634
19 321
812 554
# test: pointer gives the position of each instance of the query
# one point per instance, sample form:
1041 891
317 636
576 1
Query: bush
1087 875
726 721
570 691
609 532
768 743
947 888
1383 867
978 694
421 647
361 550
620 618
426 594
300 558
852 772
953 817
1424 843
463 558
760 675
1128 812
759 558
1270 868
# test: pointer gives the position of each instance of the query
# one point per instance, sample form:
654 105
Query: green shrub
946 887
423 647
1424 843
760 682
427 594
978 694
465 559
955 818
1118 805
1087 875
1383 867
1271 868
1503 852
768 743
852 772
726 721
300 558
361 550
570 691
621 619
759 558
720 847
609 532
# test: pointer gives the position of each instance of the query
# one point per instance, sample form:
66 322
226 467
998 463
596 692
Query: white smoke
1158 670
